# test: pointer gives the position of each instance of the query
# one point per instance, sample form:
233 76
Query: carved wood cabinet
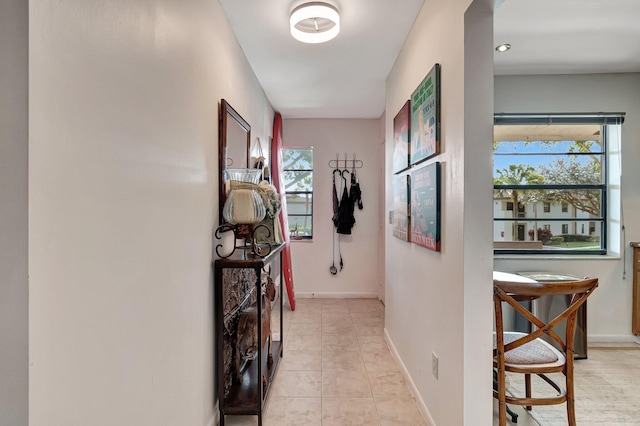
238 282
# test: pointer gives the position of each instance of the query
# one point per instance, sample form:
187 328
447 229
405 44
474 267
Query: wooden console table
237 285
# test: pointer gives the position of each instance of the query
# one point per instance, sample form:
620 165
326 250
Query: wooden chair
528 353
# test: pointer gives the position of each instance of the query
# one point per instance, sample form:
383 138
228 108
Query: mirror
233 146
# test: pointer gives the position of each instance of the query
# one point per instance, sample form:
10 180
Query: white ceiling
345 78
568 36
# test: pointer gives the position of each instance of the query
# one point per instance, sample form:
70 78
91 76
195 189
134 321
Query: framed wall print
425 206
401 124
400 192
425 117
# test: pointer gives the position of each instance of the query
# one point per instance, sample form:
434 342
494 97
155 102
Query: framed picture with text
425 117
401 145
400 192
425 206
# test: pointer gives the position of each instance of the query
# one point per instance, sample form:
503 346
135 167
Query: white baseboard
327 295
611 338
426 415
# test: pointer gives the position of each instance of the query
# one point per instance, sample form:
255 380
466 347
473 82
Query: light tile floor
607 390
336 370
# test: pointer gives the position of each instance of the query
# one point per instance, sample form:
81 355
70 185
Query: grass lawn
577 244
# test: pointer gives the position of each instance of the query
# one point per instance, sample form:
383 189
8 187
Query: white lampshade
314 22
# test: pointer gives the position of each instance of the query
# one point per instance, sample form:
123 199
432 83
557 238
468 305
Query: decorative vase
244 206
248 202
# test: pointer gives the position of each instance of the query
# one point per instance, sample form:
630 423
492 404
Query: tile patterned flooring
336 370
607 388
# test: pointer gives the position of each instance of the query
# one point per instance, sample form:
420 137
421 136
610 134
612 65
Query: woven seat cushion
535 352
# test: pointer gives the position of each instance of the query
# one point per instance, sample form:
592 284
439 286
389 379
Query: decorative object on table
236 291
243 210
247 343
401 145
425 206
425 117
266 172
272 234
401 205
261 163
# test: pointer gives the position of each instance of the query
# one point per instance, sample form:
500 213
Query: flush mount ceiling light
314 22
503 47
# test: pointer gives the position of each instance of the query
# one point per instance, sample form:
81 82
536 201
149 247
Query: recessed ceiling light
314 22
503 47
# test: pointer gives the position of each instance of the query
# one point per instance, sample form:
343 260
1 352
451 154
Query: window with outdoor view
298 181
554 168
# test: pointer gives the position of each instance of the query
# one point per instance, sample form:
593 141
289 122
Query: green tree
519 174
295 162
576 170
298 181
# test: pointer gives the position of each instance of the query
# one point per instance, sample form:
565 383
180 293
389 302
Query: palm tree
518 174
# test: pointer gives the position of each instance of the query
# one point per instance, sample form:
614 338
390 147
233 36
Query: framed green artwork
425 206
425 117
401 207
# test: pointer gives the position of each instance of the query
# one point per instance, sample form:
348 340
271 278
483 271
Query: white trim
422 407
329 295
558 256
611 338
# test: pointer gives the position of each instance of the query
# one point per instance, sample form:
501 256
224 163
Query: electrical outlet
434 364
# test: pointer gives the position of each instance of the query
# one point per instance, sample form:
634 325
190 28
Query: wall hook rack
346 163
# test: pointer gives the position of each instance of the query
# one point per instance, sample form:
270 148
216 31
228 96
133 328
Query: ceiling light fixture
314 22
503 47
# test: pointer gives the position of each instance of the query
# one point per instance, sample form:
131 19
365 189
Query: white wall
441 302
14 134
312 259
123 167
609 312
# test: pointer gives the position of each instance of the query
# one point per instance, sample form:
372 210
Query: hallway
336 369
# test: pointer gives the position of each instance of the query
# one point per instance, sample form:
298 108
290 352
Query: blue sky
544 149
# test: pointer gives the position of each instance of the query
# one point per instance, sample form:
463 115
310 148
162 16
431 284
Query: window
542 161
298 183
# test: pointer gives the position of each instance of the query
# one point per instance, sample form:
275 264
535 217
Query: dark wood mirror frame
227 120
